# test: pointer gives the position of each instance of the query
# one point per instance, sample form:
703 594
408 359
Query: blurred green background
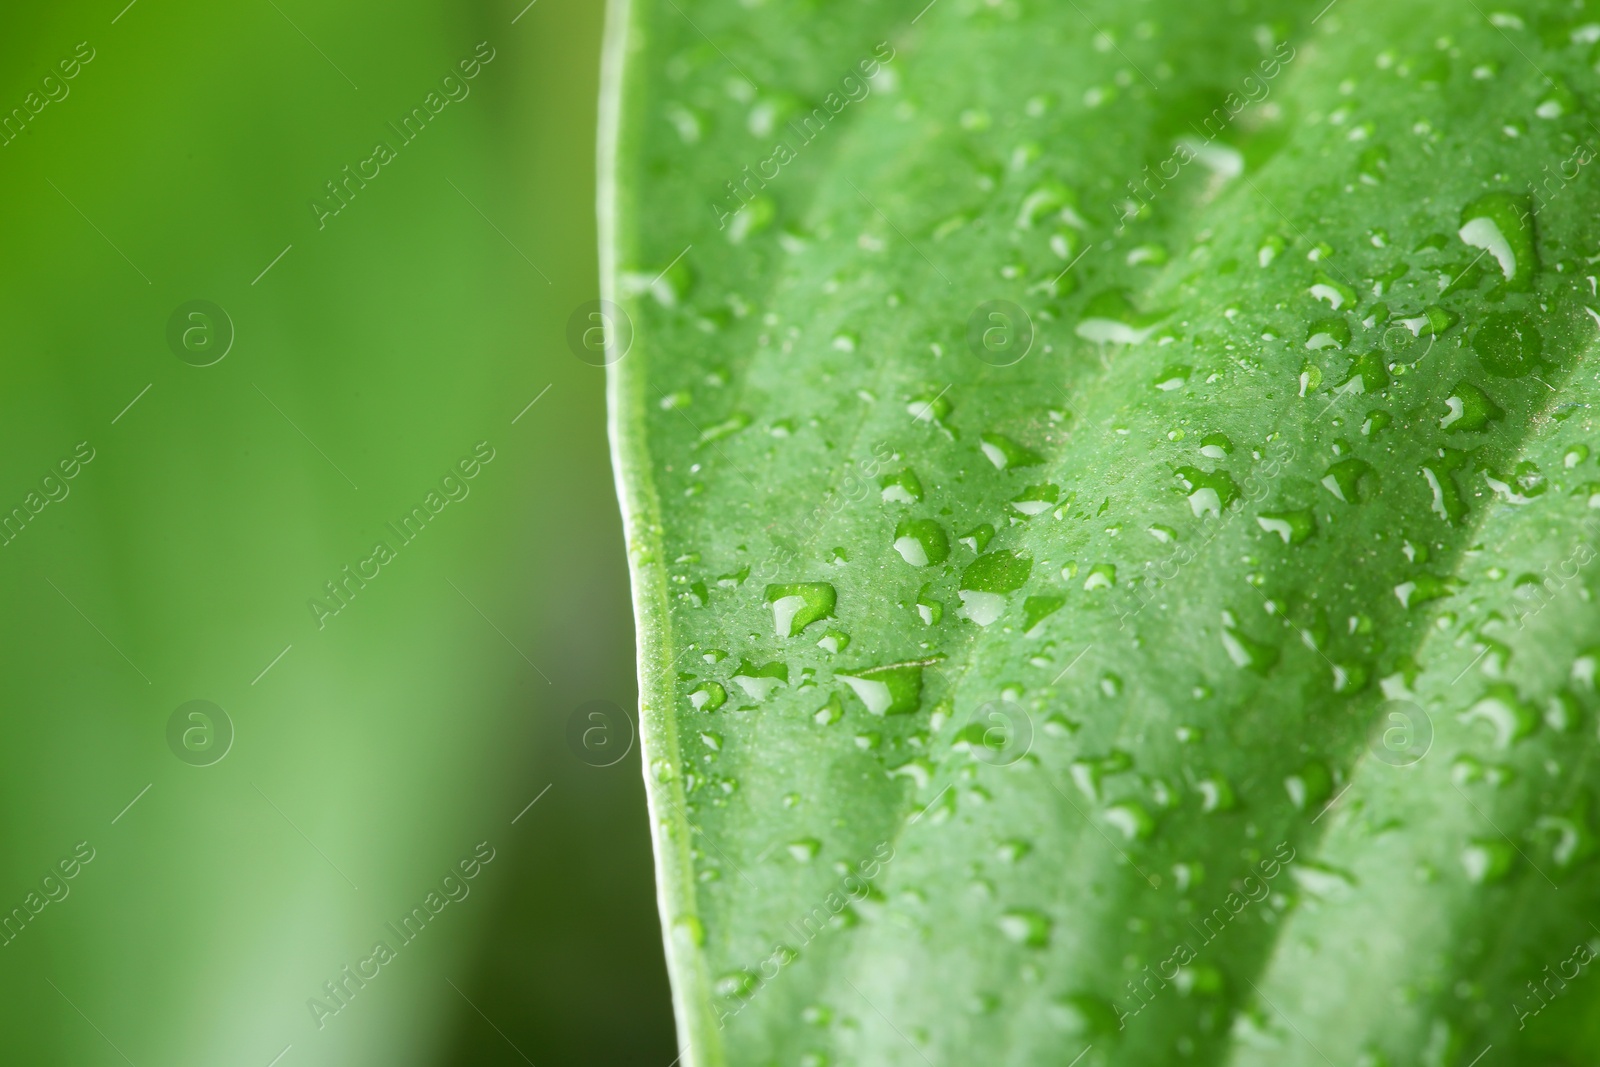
372 754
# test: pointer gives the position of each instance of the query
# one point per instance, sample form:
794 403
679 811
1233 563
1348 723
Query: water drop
978 537
1337 294
1036 499
737 985
929 407
1504 710
1486 861
1084 1016
1026 926
1173 377
1058 725
986 581
726 428
1295 527
834 641
1508 344
1209 492
1110 319
1562 712
1012 850
1309 786
759 682
1469 409
892 689
1130 818
1501 224
708 696
1343 478
919 770
804 849
1215 794
1323 882
1035 609
816 1015
1245 651
796 605
1042 201
1005 453
1087 773
1372 167
1101 576
1367 374
902 488
689 930
1525 483
1328 333
1423 588
921 542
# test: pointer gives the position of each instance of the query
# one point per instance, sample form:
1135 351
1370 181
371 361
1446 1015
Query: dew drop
1309 786
1101 576
902 488
804 849
1323 882
1026 926
1005 453
1505 711
978 537
1501 224
1337 294
1485 861
1130 818
1012 850
1215 794
1469 409
737 985
688 929
708 696
1035 499
1294 527
834 641
892 689
796 605
1035 609
759 682
921 542
1328 333
1210 493
1508 344
1343 478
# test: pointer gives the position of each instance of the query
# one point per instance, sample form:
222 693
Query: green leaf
1305 775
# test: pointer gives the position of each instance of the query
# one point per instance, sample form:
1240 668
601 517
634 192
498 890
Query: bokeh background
371 754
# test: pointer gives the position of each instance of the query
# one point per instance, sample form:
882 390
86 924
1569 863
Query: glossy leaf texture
1110 492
